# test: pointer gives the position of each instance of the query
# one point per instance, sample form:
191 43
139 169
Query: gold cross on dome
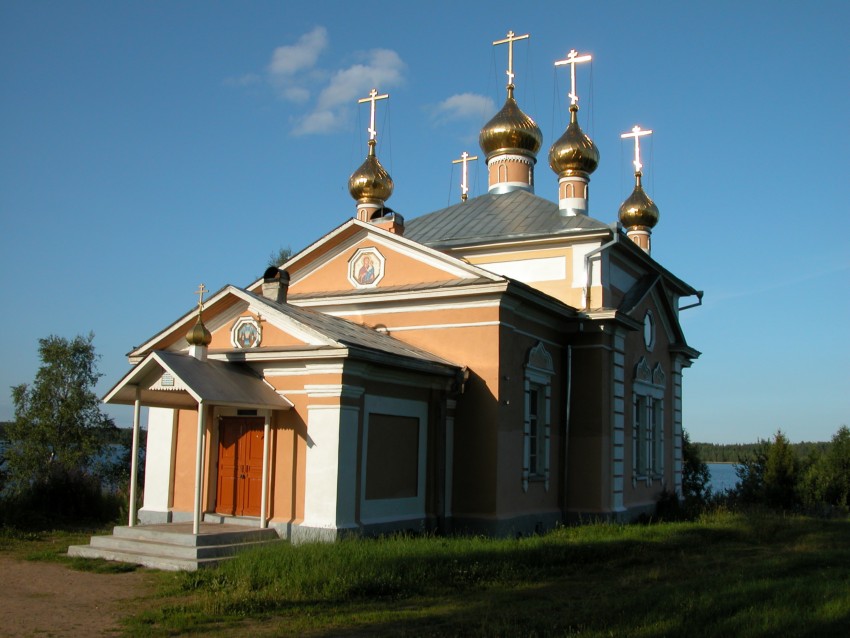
200 292
636 133
572 59
509 40
373 97
464 158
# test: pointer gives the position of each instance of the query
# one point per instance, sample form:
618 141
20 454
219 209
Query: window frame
539 372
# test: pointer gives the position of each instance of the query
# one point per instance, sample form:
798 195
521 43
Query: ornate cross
464 158
509 40
200 292
573 58
637 134
373 97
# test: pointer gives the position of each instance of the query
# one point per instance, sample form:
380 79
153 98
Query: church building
499 366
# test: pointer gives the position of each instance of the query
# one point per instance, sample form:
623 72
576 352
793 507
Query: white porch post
134 460
199 467
264 493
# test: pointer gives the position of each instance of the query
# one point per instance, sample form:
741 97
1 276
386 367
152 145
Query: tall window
648 422
536 429
538 416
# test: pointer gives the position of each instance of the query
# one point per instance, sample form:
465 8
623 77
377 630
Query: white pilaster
159 466
331 467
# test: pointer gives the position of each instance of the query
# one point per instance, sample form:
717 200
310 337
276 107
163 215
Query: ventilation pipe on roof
275 284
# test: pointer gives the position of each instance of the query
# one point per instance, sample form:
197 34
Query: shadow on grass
746 578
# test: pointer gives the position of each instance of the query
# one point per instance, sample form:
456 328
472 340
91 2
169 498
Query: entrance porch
175 546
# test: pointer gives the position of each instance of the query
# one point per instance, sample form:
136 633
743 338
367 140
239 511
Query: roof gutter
615 228
699 294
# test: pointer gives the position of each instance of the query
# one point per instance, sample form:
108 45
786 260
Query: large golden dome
510 130
371 181
574 152
638 209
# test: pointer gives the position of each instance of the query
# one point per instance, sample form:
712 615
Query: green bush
63 498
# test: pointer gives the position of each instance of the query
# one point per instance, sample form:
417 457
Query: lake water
723 476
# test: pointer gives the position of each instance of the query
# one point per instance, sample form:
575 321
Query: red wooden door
240 466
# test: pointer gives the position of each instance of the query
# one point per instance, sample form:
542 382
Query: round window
648 330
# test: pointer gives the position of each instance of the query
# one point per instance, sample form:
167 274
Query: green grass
725 575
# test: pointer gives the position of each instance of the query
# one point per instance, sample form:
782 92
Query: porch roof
174 380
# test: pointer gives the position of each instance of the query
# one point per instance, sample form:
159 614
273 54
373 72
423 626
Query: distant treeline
116 436
734 452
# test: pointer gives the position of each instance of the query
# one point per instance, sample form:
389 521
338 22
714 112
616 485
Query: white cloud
290 64
317 122
295 77
463 106
291 59
248 79
381 69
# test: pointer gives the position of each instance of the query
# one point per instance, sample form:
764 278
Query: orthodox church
499 366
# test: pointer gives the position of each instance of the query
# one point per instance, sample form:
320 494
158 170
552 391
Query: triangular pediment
238 319
650 292
359 256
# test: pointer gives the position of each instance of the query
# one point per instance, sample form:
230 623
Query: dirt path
47 599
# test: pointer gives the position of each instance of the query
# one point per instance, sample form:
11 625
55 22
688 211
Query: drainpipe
615 228
566 466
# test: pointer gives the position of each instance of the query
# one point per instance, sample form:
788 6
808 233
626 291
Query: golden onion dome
371 181
574 152
199 335
638 209
510 130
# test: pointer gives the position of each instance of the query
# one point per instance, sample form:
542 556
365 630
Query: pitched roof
514 215
216 382
350 334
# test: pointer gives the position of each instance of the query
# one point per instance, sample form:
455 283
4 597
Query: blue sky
146 147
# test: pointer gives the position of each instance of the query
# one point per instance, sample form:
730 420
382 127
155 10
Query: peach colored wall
515 347
184 460
591 414
271 336
399 269
643 494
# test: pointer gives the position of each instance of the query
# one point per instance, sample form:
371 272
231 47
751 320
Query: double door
240 466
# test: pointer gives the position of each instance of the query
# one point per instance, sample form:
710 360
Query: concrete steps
173 546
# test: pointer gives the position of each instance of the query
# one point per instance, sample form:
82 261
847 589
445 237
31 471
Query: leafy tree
59 426
826 482
279 256
695 473
750 471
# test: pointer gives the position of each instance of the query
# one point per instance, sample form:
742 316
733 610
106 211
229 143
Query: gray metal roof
352 334
514 215
214 382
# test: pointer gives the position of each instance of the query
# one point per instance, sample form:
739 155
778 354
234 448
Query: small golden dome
371 181
510 130
638 209
574 152
199 335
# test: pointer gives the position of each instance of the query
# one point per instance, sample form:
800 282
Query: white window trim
394 509
538 371
649 385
